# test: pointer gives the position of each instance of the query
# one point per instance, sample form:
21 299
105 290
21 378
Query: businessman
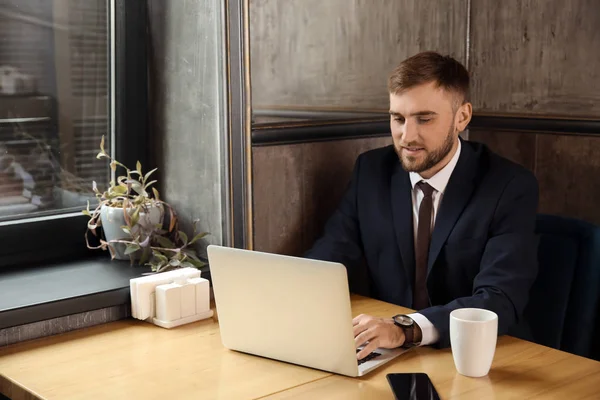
435 222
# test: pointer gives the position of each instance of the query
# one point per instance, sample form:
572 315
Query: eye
423 120
400 120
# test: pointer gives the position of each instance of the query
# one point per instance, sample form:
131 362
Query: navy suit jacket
483 250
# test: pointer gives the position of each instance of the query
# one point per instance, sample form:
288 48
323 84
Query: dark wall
337 53
297 187
526 57
535 58
566 166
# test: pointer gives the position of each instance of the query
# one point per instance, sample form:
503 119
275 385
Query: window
54 87
58 74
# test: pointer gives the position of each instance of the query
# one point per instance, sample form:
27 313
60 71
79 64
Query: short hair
430 66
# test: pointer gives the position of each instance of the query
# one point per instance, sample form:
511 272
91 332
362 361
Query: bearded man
433 222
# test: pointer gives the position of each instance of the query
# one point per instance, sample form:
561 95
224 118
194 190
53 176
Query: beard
432 158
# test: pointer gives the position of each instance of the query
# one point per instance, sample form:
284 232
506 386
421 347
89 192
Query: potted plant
137 224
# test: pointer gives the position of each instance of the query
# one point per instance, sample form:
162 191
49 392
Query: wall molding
317 129
555 125
312 131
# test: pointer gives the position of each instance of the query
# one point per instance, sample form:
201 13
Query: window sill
59 289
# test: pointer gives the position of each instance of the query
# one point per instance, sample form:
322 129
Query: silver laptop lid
286 308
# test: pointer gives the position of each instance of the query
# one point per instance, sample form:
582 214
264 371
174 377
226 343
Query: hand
378 332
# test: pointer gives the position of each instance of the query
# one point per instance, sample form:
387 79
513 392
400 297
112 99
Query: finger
368 349
358 329
364 324
356 320
365 336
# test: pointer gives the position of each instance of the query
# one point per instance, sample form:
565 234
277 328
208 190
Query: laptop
289 309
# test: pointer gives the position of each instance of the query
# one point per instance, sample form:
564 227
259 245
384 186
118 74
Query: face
425 122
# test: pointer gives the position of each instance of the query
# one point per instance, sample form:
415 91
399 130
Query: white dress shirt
439 182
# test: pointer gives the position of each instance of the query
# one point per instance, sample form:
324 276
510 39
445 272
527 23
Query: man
441 223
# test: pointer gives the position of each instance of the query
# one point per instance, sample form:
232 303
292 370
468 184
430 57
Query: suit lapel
401 199
456 196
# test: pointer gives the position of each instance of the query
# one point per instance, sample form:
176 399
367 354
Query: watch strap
409 331
409 336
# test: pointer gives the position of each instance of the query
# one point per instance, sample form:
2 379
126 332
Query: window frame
30 241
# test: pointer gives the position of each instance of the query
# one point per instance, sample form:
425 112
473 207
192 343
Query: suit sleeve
509 262
341 241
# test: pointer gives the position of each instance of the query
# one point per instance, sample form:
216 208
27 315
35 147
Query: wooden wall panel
338 53
297 187
536 57
568 168
516 146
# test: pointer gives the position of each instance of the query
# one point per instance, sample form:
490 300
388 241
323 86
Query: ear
463 116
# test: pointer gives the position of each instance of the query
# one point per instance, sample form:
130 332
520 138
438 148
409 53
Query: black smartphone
415 386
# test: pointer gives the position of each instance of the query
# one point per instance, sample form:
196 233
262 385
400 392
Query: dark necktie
420 297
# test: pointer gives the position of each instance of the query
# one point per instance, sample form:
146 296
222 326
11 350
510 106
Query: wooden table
132 359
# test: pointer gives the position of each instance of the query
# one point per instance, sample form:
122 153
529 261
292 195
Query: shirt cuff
430 335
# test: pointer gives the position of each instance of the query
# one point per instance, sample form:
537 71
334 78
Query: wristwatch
409 327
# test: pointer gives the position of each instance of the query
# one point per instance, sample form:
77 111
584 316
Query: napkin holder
170 299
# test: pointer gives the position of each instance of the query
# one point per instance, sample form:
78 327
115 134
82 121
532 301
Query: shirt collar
440 180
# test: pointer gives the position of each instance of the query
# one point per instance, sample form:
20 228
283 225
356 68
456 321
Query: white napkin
142 290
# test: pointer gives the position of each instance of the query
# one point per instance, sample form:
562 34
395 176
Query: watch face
403 320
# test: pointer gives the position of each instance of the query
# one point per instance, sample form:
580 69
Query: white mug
473 336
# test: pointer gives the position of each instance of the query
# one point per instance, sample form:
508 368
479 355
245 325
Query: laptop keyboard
369 357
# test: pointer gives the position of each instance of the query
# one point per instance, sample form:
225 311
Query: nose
406 132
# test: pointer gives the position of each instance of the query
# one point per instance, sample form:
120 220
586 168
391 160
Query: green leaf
160 256
126 229
172 219
191 254
135 216
131 248
148 174
147 185
124 167
153 265
137 187
175 262
145 242
86 213
183 237
197 263
187 264
101 155
113 165
138 167
165 242
198 237
155 193
145 255
119 190
102 144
